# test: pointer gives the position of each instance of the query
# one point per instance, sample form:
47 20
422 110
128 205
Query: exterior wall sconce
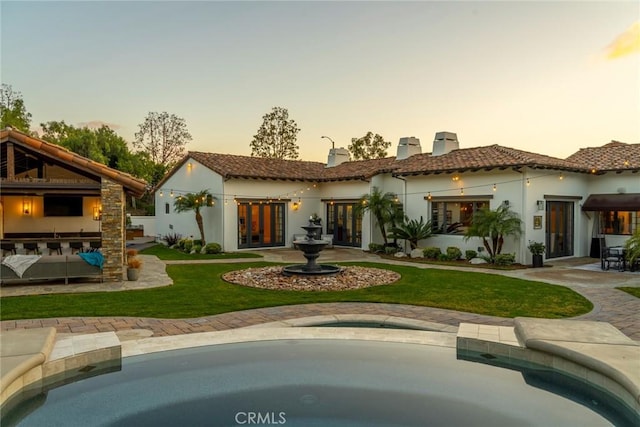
189 166
97 213
295 206
27 206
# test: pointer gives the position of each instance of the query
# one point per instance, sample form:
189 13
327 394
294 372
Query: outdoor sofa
53 267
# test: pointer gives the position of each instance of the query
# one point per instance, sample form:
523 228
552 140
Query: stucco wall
190 180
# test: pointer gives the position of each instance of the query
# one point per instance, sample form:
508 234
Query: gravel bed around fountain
349 278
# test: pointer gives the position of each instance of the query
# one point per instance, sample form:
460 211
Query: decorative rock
400 255
417 253
477 261
349 278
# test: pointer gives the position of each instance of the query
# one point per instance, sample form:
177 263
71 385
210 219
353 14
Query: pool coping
593 352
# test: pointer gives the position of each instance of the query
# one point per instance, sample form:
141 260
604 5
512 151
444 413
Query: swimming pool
315 383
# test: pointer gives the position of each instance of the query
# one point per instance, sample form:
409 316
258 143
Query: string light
528 182
429 195
495 188
462 191
171 194
561 176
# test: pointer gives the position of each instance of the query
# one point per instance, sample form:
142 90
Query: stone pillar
113 230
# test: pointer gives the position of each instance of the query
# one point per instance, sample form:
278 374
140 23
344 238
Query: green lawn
165 253
631 291
198 290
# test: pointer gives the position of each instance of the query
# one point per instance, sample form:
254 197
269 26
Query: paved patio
610 305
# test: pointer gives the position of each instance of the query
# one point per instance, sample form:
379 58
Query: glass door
559 236
344 224
260 224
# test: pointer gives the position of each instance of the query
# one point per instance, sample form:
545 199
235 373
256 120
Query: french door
260 224
344 224
559 235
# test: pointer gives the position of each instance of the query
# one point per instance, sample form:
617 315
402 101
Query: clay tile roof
131 184
612 156
489 157
361 169
232 166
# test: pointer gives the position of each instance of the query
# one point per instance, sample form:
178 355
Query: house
262 203
49 194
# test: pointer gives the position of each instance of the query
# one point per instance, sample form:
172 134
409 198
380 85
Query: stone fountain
310 248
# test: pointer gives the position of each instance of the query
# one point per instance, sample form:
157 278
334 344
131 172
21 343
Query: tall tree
194 202
368 147
384 208
492 226
12 110
163 137
276 137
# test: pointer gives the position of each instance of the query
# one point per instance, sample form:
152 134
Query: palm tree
193 202
412 231
383 207
493 226
632 247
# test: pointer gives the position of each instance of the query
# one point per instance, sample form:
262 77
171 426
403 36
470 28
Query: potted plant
537 250
133 265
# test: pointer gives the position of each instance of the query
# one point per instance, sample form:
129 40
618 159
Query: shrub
172 239
134 262
390 250
181 243
376 248
187 245
131 253
443 257
196 249
536 248
213 248
504 259
431 252
453 253
197 242
470 254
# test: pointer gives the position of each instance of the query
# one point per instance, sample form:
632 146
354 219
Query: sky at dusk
547 77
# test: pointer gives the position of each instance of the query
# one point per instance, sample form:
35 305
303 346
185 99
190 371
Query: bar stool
76 246
8 247
31 247
54 246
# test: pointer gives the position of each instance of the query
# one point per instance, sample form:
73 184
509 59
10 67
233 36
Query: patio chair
612 257
31 247
95 245
76 247
54 246
8 247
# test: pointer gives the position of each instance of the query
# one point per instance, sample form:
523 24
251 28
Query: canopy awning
612 202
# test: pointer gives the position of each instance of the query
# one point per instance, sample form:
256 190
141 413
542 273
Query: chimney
407 147
444 143
337 156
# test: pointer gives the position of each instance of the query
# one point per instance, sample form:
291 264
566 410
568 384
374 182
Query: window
454 217
166 208
620 222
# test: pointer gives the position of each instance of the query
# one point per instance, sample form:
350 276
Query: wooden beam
11 162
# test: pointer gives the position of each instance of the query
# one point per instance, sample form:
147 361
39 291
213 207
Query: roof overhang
612 202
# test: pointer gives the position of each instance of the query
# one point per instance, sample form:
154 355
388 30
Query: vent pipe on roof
444 143
337 156
407 147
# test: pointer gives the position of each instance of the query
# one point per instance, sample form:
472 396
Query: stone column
113 230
